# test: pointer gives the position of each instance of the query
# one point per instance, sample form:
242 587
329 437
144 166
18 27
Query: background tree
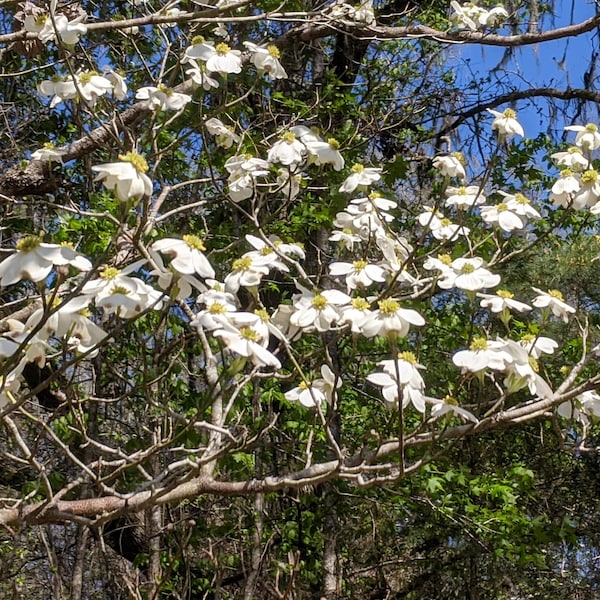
200 397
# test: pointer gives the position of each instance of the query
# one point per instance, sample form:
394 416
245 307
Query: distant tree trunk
79 563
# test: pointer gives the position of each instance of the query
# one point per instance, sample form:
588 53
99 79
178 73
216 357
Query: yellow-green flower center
303 385
273 51
478 343
589 177
110 273
467 268
217 309
249 334
119 289
374 195
288 137
409 357
137 160
197 40
509 113
319 302
266 250
87 76
521 199
445 259
222 48
161 87
359 265
357 168
575 150
446 222
528 337
460 157
533 363
566 173
501 207
28 243
461 191
505 294
556 294
193 242
591 127
242 264
388 306
262 314
41 20
333 144
360 304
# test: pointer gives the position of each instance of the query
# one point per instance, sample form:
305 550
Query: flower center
357 168
505 294
556 294
288 137
445 259
388 306
87 76
521 199
303 385
591 127
409 357
28 243
528 337
119 289
575 150
467 268
137 160
478 344
509 113
242 264
193 242
360 304
273 51
359 265
566 173
319 302
217 309
501 207
460 157
333 144
249 334
262 314
446 222
222 48
589 177
109 272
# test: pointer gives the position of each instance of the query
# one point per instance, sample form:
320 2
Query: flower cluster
578 186
471 16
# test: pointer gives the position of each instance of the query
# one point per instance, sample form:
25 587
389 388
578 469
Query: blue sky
558 64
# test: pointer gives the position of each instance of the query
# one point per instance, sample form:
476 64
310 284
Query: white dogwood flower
187 253
224 136
506 124
555 302
35 259
127 179
588 136
360 176
219 58
266 60
451 165
313 393
162 97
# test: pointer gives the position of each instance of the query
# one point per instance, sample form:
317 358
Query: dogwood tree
246 278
